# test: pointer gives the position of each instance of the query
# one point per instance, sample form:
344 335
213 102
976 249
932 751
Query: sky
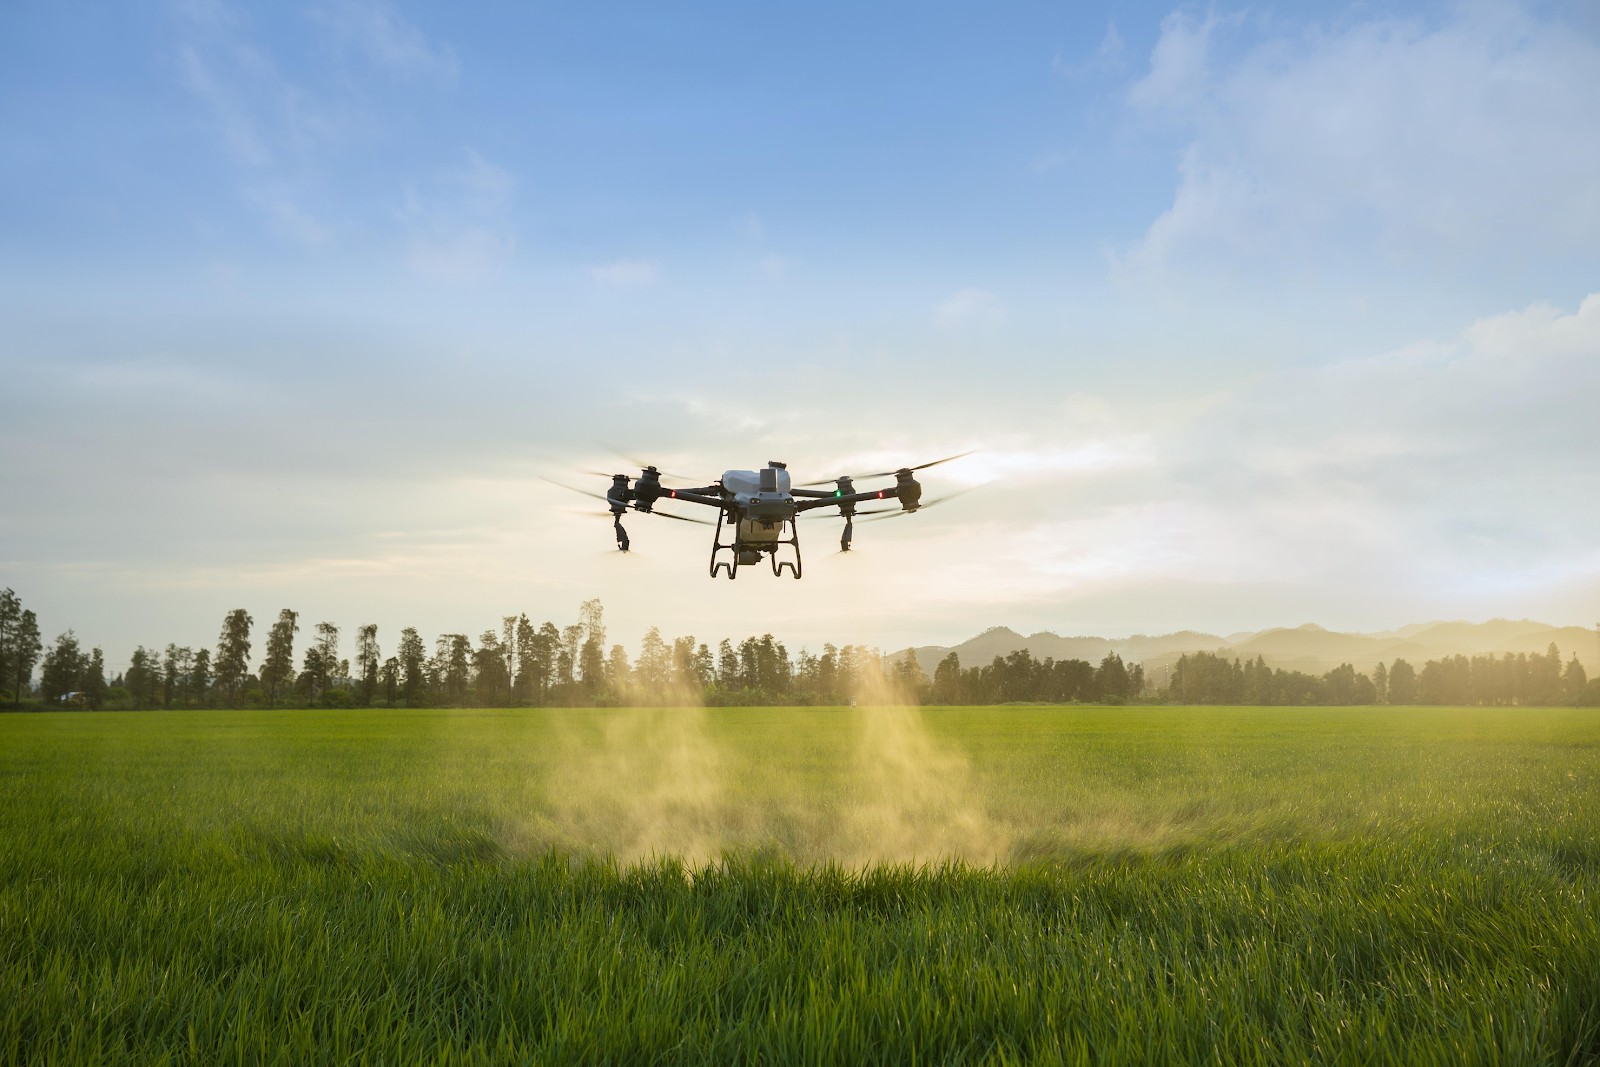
1254 315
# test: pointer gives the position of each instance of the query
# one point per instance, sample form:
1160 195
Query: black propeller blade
894 513
638 464
575 489
680 518
891 474
631 508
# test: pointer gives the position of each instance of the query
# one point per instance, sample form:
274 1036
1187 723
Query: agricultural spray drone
760 510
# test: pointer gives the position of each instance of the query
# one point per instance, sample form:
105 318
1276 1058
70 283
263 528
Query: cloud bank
1475 135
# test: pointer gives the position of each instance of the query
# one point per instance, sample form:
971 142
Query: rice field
876 885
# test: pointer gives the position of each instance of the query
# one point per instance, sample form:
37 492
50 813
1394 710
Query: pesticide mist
878 787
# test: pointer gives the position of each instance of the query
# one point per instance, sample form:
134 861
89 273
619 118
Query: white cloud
289 217
1453 475
1460 458
1109 56
625 273
457 224
483 186
969 307
244 142
386 39
287 133
1179 74
469 254
1477 135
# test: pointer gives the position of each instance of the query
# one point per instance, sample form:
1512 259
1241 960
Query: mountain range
1308 648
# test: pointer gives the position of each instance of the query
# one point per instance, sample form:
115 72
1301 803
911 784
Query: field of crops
1224 885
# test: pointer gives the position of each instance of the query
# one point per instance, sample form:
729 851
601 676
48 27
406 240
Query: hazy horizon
1255 317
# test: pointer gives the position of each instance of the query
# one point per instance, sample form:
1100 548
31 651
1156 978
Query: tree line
1522 679
519 664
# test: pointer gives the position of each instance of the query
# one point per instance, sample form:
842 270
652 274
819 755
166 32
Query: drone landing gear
792 566
622 535
743 551
849 529
729 567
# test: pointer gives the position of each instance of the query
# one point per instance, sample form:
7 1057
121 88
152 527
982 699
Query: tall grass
1217 885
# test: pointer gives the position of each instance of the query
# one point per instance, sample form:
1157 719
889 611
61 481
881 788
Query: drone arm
816 493
694 496
850 498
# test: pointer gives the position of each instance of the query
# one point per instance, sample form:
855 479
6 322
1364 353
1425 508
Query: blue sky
1257 314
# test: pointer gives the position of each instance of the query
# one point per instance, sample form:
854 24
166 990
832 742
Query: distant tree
704 670
143 678
618 676
827 683
1344 685
591 654
279 665
389 678
1575 679
545 667
1380 684
910 681
947 687
200 680
591 616
94 680
591 670
328 661
175 666
24 652
367 663
63 668
691 671
320 666
524 681
489 671
1111 679
1545 677
652 673
567 658
413 656
510 650
10 619
233 654
454 666
1402 683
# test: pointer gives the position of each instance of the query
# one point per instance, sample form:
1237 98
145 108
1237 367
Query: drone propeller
680 518
879 514
822 513
891 474
632 508
575 489
638 464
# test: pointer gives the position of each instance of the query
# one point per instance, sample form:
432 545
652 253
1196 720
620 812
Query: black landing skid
730 566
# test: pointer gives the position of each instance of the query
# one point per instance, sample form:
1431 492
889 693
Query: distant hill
1308 648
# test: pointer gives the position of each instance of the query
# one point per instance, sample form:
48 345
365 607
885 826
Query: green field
1222 885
